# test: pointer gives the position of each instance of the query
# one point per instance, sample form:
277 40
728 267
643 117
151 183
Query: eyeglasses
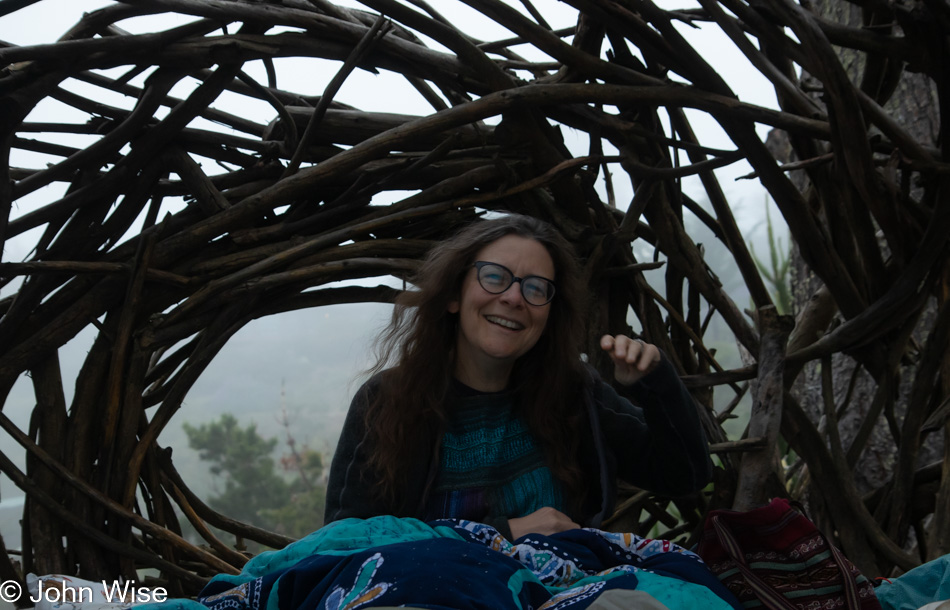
496 279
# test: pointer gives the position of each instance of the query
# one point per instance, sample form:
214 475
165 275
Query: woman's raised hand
633 358
545 521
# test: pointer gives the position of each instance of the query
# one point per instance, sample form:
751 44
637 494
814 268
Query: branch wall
183 219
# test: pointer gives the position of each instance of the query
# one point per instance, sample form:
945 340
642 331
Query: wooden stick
760 466
102 500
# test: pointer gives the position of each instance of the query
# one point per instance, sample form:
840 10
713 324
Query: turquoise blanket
923 585
387 561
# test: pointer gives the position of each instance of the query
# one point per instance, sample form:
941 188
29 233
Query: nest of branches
172 233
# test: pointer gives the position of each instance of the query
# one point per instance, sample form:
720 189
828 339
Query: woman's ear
453 306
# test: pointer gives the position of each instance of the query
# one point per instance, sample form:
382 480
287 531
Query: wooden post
759 474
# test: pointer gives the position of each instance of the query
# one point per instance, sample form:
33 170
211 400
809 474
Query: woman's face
497 329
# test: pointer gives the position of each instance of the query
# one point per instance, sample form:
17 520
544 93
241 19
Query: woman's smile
505 323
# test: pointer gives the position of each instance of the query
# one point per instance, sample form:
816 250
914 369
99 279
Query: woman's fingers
544 521
633 358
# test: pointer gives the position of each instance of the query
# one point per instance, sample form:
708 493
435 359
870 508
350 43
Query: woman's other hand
544 521
633 358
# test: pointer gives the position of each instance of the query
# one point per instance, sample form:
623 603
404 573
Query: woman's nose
513 294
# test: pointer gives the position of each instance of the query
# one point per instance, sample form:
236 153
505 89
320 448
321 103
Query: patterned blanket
459 565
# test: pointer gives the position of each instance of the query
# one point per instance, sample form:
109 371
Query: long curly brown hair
420 342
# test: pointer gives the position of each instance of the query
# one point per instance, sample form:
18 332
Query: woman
489 413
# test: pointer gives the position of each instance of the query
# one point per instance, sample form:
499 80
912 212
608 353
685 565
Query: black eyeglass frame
521 282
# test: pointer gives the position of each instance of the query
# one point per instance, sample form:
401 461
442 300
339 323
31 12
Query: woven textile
774 557
490 463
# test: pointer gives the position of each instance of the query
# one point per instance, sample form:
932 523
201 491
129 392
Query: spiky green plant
776 273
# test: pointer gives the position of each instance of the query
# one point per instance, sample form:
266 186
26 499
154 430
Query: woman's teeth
503 322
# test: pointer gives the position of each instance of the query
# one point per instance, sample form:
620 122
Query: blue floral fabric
460 565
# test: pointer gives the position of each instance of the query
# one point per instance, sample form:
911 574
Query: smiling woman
489 413
218 163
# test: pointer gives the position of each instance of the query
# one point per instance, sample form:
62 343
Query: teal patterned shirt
490 464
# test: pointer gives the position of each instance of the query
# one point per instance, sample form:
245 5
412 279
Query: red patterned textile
774 557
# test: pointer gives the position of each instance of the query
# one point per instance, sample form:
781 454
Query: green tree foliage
287 497
304 512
